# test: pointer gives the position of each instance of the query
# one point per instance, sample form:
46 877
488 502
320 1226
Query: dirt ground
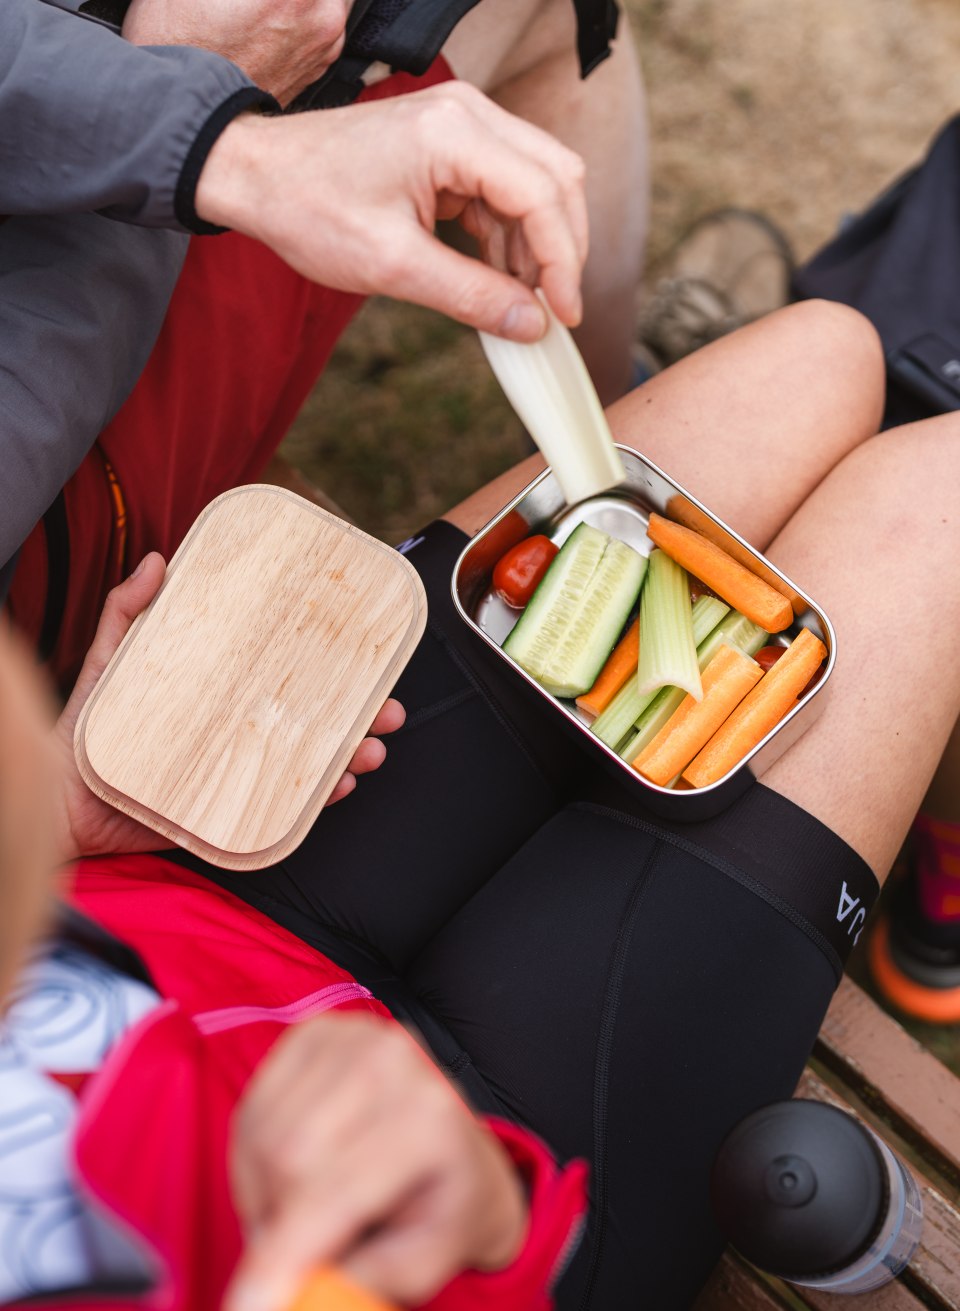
804 111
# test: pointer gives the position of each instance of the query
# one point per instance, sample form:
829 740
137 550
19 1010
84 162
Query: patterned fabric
68 1011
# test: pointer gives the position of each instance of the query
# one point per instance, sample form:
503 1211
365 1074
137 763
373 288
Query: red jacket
232 980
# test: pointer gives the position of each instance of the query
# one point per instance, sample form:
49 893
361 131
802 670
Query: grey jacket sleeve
81 303
90 122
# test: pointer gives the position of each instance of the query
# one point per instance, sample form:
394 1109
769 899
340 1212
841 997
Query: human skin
769 427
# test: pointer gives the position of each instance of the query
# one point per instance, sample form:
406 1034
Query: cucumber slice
578 611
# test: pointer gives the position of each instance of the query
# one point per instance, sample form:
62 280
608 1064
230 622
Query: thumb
122 606
431 274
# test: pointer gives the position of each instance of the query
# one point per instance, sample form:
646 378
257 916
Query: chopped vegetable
682 510
620 665
629 704
726 681
518 574
759 712
735 630
724 575
668 652
567 631
548 385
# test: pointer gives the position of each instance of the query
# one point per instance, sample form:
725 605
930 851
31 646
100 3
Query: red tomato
768 656
517 575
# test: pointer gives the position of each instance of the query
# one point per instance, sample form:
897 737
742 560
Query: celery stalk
706 614
612 724
548 385
736 630
668 653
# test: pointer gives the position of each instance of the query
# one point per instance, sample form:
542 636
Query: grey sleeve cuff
90 122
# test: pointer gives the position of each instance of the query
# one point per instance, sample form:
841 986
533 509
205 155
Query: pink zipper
232 1017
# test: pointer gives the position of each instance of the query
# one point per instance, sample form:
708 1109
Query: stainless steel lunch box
623 513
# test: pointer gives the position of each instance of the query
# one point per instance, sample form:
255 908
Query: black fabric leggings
619 985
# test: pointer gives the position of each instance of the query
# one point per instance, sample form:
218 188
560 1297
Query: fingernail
524 321
139 568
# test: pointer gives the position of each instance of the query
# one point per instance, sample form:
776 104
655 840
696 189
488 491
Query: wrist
217 185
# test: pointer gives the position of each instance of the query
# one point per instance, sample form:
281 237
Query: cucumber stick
576 614
613 724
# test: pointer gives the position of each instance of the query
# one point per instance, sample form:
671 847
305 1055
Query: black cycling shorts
626 987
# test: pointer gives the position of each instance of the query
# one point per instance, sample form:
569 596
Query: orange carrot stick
760 711
684 511
621 663
726 681
328 1290
724 575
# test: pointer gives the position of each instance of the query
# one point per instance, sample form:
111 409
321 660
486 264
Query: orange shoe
915 961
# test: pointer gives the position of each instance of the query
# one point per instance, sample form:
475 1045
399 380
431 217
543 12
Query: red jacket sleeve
558 1202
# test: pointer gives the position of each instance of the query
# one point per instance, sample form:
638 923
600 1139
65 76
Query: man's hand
281 45
350 197
88 826
350 1148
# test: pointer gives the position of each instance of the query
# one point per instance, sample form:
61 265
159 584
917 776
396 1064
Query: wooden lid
233 705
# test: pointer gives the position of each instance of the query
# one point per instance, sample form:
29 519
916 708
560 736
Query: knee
837 341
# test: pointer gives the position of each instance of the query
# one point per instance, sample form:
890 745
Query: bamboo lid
233 705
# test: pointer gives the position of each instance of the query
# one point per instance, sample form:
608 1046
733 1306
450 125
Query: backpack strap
408 35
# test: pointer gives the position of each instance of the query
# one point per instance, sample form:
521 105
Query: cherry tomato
517 574
768 656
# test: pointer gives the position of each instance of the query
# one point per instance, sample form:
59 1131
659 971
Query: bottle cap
799 1188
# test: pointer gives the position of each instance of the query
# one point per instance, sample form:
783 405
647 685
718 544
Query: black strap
57 534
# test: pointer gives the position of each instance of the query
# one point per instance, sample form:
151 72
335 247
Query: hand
88 826
281 45
350 1147
349 198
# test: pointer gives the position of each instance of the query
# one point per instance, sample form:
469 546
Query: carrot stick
724 575
691 516
621 663
760 711
328 1290
726 681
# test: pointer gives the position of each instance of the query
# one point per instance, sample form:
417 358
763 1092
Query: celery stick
668 653
629 704
623 711
736 630
706 614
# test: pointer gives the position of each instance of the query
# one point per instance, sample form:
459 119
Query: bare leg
768 426
876 544
943 796
522 53
750 424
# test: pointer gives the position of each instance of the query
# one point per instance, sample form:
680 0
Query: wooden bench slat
935 1270
734 1285
876 1056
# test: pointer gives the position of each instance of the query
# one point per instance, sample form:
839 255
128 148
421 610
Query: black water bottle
806 1192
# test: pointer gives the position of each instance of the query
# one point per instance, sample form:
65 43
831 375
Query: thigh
625 996
752 423
877 545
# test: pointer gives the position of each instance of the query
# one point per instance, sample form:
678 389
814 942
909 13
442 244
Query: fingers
351 1148
121 608
371 753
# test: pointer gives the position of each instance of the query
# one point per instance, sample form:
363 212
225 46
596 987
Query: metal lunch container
623 513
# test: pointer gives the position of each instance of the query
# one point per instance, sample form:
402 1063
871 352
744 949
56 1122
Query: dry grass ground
804 111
